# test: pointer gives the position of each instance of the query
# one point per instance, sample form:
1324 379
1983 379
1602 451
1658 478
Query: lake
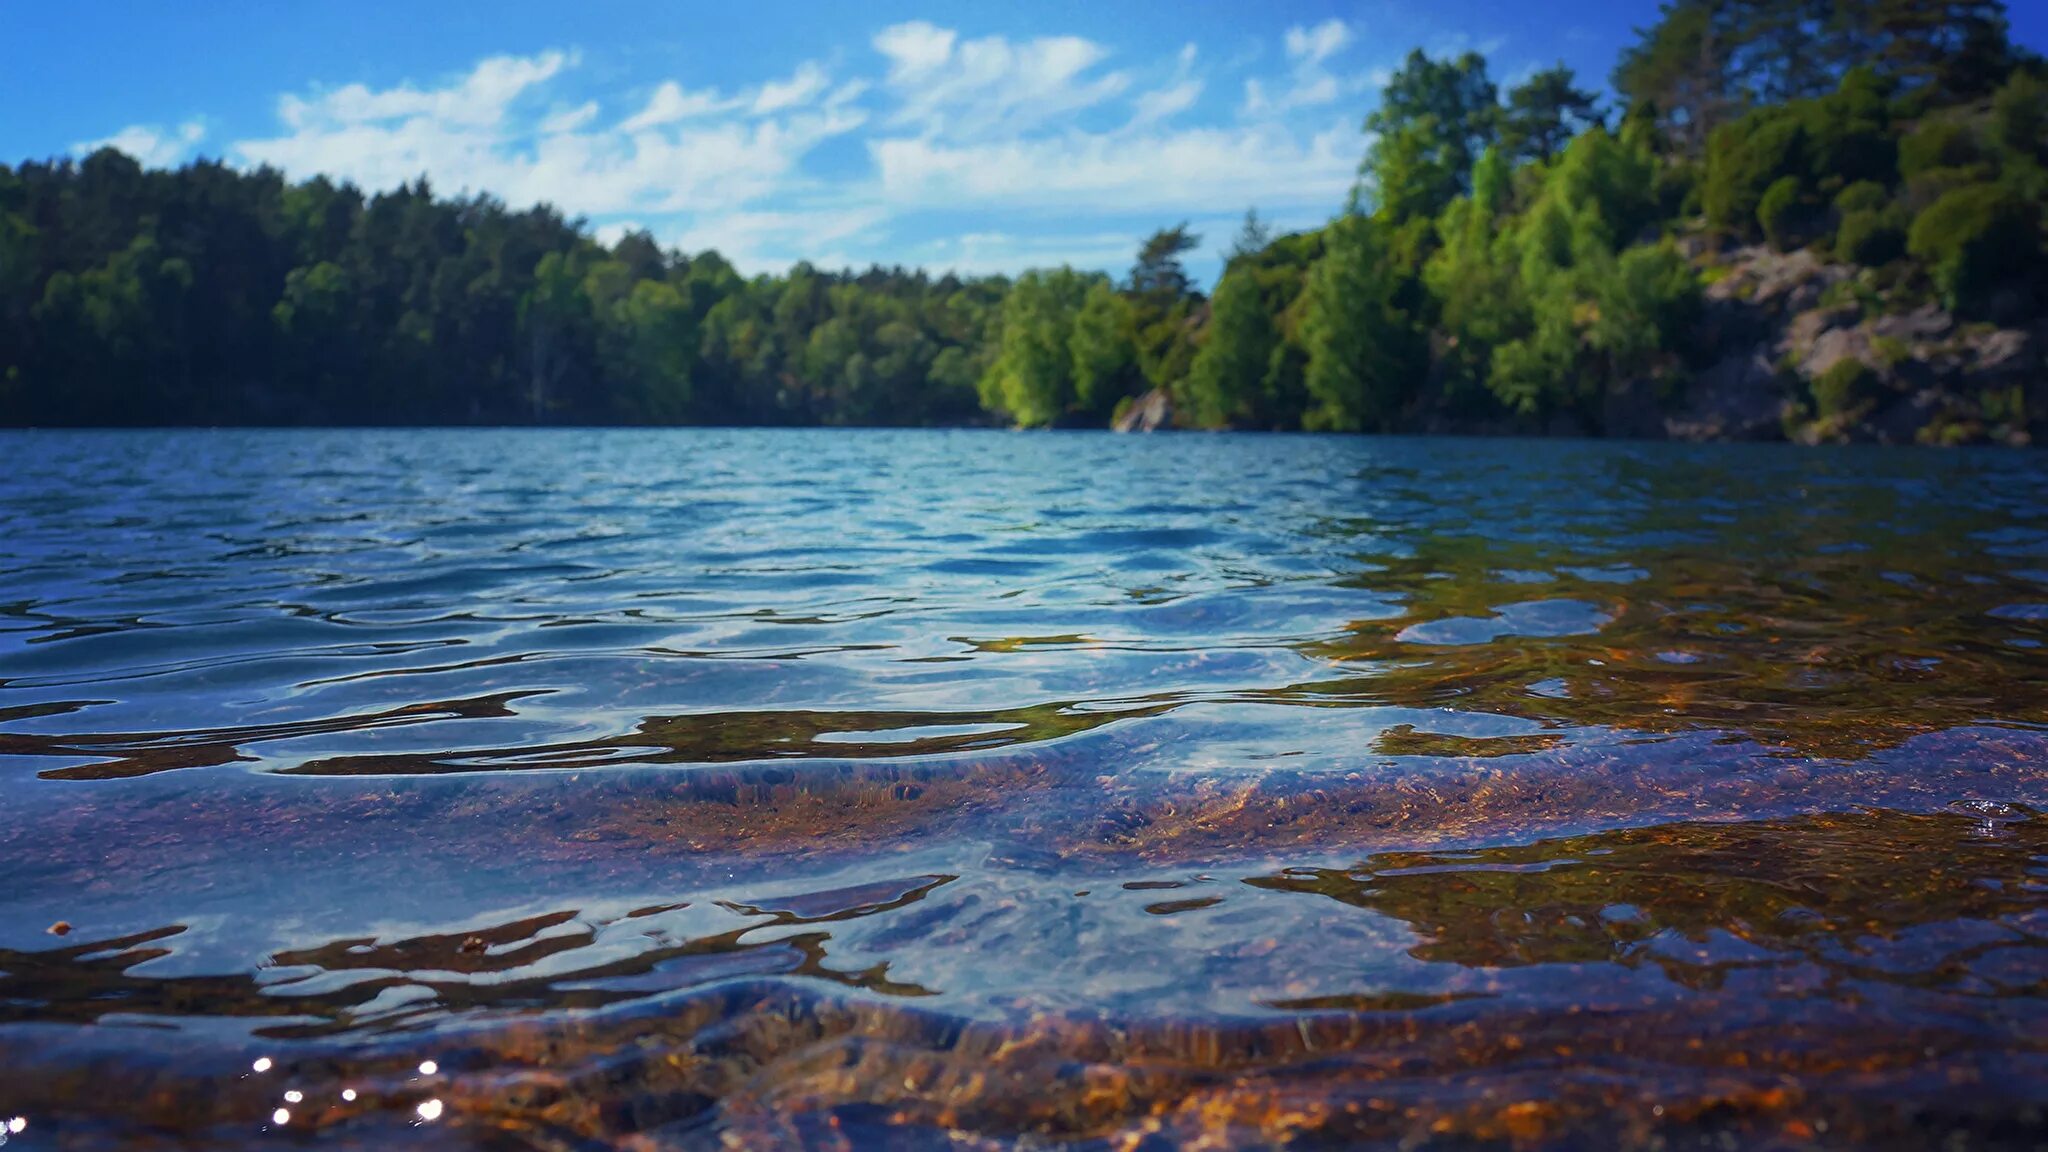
967 789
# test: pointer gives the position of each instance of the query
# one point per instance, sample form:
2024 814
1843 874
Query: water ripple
670 789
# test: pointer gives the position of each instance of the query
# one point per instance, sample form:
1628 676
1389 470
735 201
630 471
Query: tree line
1507 256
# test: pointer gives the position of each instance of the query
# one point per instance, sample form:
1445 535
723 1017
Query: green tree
1104 361
1545 111
1227 379
1162 312
1360 349
1031 378
1158 270
1434 118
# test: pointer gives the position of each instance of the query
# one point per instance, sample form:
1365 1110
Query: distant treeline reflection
1510 259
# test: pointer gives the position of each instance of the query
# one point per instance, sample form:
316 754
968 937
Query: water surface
690 789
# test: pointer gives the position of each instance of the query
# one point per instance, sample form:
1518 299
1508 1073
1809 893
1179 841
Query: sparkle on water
975 790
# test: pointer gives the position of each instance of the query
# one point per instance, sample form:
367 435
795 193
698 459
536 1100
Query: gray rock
1834 346
1808 327
1148 413
1926 322
1737 399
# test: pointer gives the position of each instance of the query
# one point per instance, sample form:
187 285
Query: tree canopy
1516 259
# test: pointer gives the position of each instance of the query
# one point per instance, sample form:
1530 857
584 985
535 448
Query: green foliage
1032 377
1871 237
1862 196
1845 387
1745 159
1891 351
2019 131
1941 144
2019 117
1779 212
109 323
1244 371
1433 119
1104 361
1974 238
1703 63
1229 369
1551 308
1158 269
1517 259
1162 317
1820 145
1646 306
1360 347
1849 132
1544 112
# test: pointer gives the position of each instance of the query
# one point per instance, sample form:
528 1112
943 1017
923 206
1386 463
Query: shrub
1927 187
1862 196
1849 131
1647 304
1843 387
1744 159
1677 189
1844 136
2019 117
1972 239
1779 211
1891 351
1939 144
1871 238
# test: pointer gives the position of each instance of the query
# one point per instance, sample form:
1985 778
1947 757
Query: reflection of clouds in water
1531 618
644 760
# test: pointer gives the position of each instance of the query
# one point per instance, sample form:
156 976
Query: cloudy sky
979 137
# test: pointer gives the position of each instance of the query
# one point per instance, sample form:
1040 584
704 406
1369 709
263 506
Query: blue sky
977 136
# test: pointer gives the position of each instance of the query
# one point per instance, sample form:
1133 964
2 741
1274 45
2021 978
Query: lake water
586 789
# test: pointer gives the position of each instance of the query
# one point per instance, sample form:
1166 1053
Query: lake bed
697 788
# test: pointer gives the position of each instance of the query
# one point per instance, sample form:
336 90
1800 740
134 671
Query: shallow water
967 789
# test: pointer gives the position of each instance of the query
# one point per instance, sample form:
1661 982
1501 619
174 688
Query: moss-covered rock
1843 388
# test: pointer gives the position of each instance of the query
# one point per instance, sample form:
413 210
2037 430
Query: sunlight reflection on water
585 786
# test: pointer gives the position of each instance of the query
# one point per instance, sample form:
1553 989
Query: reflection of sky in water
318 739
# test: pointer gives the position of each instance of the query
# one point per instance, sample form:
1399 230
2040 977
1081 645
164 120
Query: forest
1508 259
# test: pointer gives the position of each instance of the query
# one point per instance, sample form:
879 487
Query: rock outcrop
1148 413
1777 326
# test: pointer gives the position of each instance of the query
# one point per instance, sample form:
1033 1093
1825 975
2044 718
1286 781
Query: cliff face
1801 348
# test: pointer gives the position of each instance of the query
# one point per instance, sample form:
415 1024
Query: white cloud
670 104
796 91
915 49
1165 103
1317 44
569 120
989 86
480 100
1193 170
986 253
685 152
826 236
1176 96
1310 84
151 145
979 154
